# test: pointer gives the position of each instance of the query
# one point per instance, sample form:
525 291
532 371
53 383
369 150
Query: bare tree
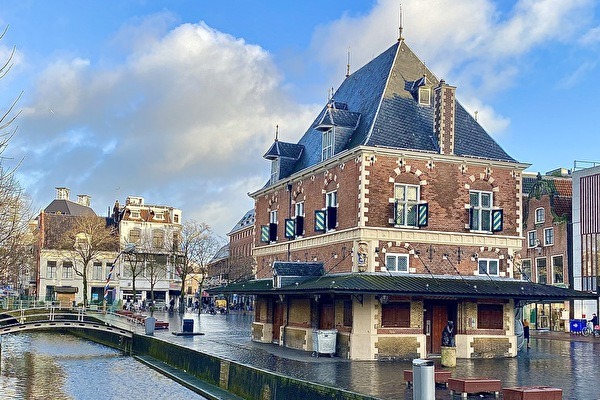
192 251
85 241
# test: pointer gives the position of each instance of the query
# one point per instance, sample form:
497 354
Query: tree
86 240
192 250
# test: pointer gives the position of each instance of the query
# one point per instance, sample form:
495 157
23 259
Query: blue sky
177 100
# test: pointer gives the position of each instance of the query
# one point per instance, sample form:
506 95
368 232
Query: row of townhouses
396 212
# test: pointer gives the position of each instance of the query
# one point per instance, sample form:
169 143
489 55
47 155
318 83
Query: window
273 217
424 96
331 199
395 315
299 216
135 235
108 267
135 214
490 316
557 269
541 270
526 270
158 238
272 228
331 204
51 270
328 140
299 209
488 266
406 197
540 215
396 262
548 236
532 240
481 210
97 271
67 270
274 170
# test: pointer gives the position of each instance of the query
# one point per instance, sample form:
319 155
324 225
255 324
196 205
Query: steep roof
246 221
67 207
379 103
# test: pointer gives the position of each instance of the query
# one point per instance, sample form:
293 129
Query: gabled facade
414 213
546 257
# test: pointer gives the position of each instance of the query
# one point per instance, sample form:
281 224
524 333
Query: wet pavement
555 359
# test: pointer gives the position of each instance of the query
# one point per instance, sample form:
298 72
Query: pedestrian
526 332
448 335
594 320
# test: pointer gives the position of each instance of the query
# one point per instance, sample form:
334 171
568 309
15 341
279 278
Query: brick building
547 254
393 214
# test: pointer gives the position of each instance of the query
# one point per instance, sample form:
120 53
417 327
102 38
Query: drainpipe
289 189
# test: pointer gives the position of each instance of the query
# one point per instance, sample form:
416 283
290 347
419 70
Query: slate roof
413 285
288 268
67 207
221 254
382 97
246 221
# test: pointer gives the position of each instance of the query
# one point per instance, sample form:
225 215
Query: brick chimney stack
444 113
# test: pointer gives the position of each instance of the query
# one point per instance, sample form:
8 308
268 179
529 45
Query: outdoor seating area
466 386
141 319
440 376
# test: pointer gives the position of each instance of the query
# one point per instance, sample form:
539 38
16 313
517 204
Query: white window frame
537 271
97 271
327 144
488 262
562 267
135 214
67 270
425 96
274 170
481 213
331 199
299 209
51 271
397 257
540 215
273 216
532 240
549 239
409 206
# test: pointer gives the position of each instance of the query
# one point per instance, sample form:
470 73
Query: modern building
394 213
547 253
586 234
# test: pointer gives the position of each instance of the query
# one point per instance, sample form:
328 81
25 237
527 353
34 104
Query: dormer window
425 96
328 141
274 170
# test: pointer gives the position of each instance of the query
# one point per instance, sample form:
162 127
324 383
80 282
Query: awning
443 286
66 289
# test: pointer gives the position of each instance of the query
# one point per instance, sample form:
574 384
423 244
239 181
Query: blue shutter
497 220
320 220
264 233
422 214
290 228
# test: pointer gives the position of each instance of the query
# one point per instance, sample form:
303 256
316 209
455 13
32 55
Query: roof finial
476 113
276 132
348 65
400 23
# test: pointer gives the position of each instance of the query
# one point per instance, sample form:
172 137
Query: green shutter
497 220
320 216
290 228
423 214
264 233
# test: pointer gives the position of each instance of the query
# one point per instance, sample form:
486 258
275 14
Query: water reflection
58 366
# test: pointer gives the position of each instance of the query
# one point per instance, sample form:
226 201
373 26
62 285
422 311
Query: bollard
150 323
423 380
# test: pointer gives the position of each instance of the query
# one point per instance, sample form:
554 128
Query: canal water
63 367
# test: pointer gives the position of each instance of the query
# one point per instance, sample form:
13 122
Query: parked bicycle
591 329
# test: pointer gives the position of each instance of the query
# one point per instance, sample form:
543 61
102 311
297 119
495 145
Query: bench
440 376
466 386
161 325
532 393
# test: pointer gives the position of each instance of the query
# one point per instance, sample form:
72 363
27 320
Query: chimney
62 193
444 112
84 200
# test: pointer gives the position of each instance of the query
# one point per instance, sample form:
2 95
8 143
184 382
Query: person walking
448 335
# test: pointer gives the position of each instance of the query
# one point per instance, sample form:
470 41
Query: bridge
49 318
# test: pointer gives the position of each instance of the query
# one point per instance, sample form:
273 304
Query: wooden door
277 321
326 315
436 318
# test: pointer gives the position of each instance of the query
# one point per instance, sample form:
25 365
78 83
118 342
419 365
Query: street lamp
128 249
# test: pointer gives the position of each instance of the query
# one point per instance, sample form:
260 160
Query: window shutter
423 214
396 222
331 217
299 225
290 228
264 233
320 220
272 232
497 220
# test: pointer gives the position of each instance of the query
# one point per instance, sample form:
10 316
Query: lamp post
128 249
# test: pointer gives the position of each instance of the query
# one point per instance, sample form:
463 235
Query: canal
63 367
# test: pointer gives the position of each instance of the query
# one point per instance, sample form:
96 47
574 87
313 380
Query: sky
177 101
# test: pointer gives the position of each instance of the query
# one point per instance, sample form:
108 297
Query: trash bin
150 323
423 379
324 341
188 325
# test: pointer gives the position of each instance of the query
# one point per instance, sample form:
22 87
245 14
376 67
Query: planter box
532 393
466 386
440 376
